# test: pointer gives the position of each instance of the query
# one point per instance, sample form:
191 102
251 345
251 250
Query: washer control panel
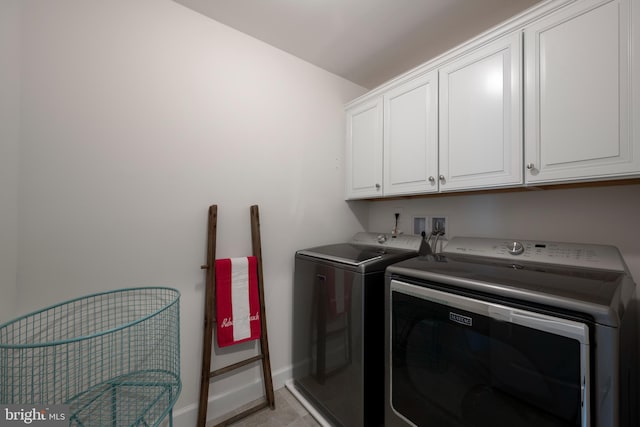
571 254
515 248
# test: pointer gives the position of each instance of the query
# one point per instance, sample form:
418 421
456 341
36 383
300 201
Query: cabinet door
481 117
411 137
578 94
364 150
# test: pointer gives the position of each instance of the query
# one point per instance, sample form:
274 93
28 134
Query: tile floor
288 413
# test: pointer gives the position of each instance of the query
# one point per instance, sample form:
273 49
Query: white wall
605 215
139 115
10 18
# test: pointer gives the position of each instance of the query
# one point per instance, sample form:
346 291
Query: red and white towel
237 300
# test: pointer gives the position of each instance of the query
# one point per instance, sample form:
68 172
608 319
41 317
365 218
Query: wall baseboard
223 403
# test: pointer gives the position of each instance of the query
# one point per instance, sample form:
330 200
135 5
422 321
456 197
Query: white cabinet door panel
364 150
578 104
480 117
411 137
476 101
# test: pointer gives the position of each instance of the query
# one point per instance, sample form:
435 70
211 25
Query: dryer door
460 361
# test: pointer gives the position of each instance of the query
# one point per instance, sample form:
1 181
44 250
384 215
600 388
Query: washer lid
369 248
350 254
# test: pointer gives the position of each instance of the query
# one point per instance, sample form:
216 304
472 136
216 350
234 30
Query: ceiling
365 41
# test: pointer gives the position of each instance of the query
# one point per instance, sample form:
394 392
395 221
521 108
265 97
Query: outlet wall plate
440 223
420 224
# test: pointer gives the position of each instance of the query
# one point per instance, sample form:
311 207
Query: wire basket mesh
113 357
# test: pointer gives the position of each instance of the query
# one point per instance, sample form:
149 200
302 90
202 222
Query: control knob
515 248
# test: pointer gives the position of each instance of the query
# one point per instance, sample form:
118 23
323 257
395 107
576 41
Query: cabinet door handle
377 186
432 180
442 178
530 166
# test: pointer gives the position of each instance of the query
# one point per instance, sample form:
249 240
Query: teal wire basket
113 357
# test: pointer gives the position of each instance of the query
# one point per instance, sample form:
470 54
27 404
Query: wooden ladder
209 319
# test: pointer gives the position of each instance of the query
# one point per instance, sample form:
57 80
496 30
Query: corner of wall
10 84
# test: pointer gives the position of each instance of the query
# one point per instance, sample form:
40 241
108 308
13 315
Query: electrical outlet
439 224
420 224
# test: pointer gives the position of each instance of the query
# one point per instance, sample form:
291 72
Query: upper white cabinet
550 96
579 108
481 117
411 137
364 150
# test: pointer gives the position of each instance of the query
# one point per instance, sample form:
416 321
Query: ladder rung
243 414
235 366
